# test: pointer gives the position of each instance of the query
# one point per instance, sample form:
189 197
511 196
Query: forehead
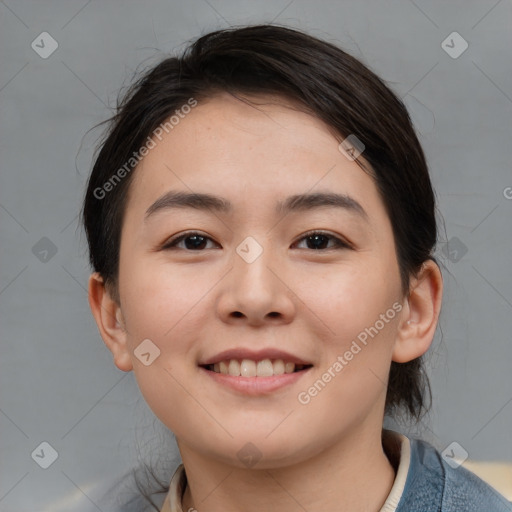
254 154
258 124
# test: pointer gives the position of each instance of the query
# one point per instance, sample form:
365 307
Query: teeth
249 368
278 367
234 368
264 368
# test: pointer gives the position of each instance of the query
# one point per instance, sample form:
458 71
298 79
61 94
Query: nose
255 292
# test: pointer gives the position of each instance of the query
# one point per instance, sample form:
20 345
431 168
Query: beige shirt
178 483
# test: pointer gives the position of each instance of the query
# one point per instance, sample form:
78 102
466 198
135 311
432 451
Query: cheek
159 299
164 304
361 312
352 298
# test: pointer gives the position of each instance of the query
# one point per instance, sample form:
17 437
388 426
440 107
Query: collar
397 448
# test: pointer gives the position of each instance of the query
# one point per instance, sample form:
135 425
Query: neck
352 475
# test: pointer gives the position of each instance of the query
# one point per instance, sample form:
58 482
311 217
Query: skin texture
192 304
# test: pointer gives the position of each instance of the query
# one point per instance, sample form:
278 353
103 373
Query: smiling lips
247 363
250 368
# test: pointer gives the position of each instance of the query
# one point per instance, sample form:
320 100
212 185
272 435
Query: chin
260 452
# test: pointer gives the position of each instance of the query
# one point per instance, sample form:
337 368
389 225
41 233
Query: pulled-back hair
322 80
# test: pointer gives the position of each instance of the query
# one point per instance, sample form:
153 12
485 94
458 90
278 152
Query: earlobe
110 322
420 314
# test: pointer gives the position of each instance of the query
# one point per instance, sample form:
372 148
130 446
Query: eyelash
338 243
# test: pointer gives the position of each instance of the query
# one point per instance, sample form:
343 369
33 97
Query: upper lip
259 355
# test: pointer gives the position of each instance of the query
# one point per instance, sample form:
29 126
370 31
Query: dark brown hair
322 80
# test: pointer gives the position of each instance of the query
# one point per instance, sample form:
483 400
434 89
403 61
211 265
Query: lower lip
256 385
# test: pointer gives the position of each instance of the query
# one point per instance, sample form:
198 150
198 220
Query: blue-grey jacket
432 485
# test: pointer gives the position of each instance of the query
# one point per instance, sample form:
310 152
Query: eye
319 240
193 241
316 240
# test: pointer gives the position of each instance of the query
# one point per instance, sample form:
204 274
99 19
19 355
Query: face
264 272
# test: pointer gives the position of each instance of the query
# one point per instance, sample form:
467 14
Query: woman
261 225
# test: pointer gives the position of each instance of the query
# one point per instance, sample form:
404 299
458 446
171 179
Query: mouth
251 368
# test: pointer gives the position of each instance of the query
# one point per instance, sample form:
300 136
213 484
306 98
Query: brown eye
192 241
318 240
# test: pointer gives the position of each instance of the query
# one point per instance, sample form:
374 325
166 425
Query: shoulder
431 480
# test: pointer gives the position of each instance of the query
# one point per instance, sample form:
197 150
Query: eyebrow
299 202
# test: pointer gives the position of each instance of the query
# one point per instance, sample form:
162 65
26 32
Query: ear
110 322
420 314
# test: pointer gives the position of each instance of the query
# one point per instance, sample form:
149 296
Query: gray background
57 379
